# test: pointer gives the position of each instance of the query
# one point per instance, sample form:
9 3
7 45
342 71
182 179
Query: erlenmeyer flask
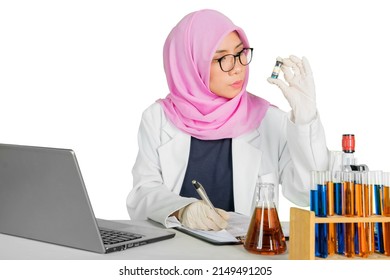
265 235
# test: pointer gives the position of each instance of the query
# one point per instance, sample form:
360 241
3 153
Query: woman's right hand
199 215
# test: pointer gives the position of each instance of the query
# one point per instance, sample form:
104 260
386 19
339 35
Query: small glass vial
277 67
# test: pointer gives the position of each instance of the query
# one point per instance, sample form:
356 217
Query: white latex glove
198 215
299 90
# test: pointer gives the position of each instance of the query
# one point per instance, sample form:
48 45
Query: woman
209 128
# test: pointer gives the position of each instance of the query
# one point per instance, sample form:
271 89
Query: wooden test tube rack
302 234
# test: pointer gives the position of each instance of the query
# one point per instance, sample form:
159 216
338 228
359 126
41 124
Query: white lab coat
277 151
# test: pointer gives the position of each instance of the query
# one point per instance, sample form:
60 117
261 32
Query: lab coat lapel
174 153
246 167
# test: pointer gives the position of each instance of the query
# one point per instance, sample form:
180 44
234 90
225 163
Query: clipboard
234 234
215 238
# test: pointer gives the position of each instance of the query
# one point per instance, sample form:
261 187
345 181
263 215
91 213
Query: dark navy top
210 163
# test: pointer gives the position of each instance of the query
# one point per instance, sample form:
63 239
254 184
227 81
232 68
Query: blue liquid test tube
322 212
332 236
314 208
338 209
376 181
319 199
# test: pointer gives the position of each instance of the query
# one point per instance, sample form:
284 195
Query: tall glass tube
348 198
368 211
386 212
322 212
322 193
363 233
318 205
376 182
338 209
314 208
332 237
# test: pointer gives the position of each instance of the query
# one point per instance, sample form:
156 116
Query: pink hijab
190 105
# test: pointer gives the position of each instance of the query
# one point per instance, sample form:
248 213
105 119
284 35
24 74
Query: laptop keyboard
113 236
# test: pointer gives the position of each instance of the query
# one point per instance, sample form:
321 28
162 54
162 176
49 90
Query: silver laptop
43 197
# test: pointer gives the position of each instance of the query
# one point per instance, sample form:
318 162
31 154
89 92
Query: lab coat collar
170 129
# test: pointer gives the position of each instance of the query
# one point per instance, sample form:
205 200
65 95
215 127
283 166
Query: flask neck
265 194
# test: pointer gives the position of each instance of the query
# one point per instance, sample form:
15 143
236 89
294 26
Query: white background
78 74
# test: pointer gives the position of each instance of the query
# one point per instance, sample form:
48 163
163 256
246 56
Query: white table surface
180 247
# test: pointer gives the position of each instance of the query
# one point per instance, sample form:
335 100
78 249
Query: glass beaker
265 235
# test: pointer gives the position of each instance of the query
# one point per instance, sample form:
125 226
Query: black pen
203 195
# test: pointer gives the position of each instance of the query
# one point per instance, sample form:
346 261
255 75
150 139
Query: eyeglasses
227 62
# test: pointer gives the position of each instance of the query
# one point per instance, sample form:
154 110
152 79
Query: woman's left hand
299 90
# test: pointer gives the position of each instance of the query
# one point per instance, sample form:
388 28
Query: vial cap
348 143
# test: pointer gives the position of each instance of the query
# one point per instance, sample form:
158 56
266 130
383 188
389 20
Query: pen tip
193 181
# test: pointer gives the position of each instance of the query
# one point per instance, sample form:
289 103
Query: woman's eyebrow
223 51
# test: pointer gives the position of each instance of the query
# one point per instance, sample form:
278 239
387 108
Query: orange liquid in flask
265 235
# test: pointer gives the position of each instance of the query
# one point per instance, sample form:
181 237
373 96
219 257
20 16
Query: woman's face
227 84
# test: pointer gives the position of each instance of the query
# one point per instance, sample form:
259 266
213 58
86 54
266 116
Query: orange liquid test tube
348 197
330 212
365 231
368 198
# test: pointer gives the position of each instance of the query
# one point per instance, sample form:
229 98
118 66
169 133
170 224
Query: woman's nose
237 68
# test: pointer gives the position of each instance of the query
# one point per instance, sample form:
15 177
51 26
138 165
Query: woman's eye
223 58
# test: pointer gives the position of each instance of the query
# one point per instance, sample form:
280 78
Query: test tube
367 210
322 193
348 194
332 237
340 227
349 211
314 208
322 212
375 180
338 206
363 235
367 195
386 212
313 192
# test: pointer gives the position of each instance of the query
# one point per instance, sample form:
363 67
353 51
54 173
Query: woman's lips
237 84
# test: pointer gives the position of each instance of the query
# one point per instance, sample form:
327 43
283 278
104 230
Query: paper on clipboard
237 228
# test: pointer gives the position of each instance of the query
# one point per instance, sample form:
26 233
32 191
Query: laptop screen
43 197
